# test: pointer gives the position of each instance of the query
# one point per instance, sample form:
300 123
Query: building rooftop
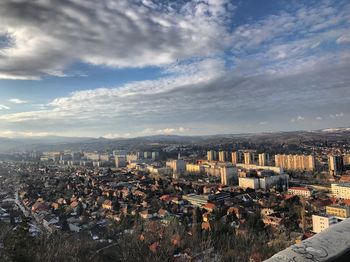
299 188
342 184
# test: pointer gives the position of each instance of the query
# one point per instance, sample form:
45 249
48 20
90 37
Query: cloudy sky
119 68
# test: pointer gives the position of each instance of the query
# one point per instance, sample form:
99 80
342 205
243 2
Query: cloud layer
287 70
47 37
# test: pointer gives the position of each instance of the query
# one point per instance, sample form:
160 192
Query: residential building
248 182
105 157
295 162
263 159
194 168
93 156
341 212
47 156
321 222
226 173
346 159
130 158
300 191
119 153
248 158
120 161
147 155
211 155
277 170
268 181
178 165
155 155
223 156
341 191
335 165
234 157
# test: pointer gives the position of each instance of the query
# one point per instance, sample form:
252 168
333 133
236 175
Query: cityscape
178 200
177 130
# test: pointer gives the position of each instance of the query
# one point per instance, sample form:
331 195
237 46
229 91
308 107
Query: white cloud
164 131
17 101
149 131
3 107
124 100
337 115
319 118
112 33
343 39
131 33
13 134
297 119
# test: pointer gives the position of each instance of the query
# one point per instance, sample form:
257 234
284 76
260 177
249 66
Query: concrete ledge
332 244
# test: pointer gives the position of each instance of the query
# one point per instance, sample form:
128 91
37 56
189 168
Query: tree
19 245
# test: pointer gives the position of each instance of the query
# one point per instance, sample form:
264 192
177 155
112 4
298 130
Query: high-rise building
131 158
178 165
147 155
211 155
120 161
155 155
94 156
226 173
119 153
223 156
120 158
346 159
234 157
105 157
335 164
263 159
194 168
248 158
295 162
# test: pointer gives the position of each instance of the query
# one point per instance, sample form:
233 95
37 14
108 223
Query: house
206 226
162 212
40 206
55 205
272 220
107 204
209 207
238 211
145 215
74 205
266 212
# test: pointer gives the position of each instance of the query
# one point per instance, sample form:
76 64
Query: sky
127 68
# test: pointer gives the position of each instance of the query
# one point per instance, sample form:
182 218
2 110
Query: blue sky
133 68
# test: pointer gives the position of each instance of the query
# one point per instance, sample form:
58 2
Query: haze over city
135 68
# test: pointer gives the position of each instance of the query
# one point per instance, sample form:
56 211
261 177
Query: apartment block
295 162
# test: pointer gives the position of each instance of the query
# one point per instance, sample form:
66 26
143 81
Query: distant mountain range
87 143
